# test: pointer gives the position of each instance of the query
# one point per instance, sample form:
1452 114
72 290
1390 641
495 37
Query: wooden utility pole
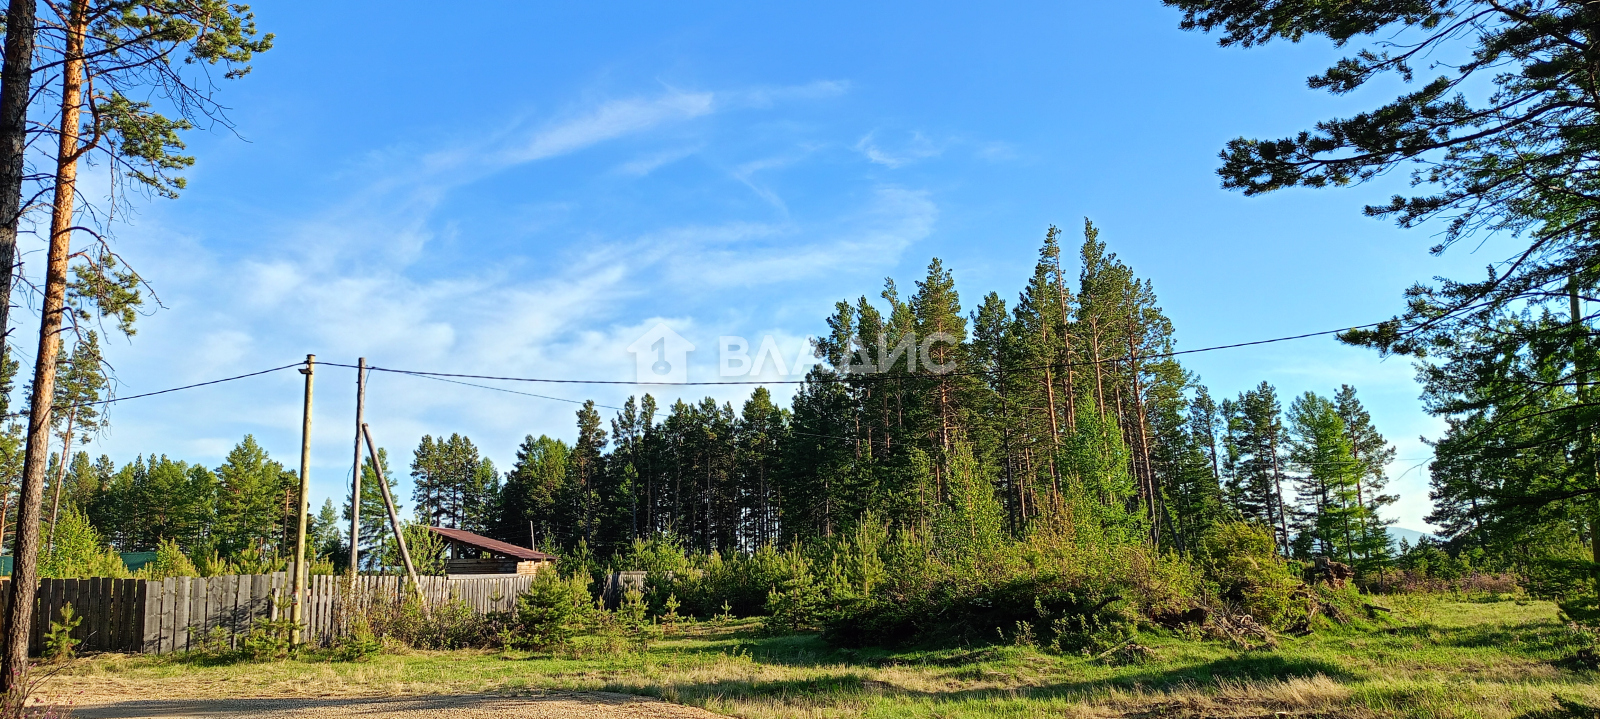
355 478
394 517
297 614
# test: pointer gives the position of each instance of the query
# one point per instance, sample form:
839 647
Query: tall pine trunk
1099 386
1055 431
1153 498
1277 483
15 90
1580 373
25 572
1066 345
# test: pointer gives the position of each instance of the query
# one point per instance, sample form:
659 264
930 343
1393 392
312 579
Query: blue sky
524 190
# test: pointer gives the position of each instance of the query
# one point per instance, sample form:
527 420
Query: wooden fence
179 613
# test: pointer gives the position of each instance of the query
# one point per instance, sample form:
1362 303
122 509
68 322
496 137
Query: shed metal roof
496 546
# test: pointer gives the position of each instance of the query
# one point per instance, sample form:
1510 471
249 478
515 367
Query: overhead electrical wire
455 377
847 377
165 391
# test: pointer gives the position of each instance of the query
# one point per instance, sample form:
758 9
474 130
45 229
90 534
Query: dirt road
553 705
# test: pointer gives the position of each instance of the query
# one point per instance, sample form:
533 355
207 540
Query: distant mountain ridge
1410 535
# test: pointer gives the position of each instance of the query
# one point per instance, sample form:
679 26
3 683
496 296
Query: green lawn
1434 658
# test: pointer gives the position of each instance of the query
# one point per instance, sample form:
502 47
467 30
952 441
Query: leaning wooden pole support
394 518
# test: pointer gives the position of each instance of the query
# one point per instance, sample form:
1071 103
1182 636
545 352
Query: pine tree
80 380
1331 511
942 330
1255 442
970 522
1187 453
624 491
252 494
374 513
532 489
762 432
991 426
111 52
451 485
11 447
579 496
325 539
818 462
1373 453
429 481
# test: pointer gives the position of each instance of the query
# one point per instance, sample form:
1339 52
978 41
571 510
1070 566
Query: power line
454 378
791 431
510 391
165 391
657 413
849 377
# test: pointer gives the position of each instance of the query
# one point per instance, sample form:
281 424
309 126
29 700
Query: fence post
149 616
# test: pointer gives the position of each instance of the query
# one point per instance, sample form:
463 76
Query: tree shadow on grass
790 650
851 684
408 706
1529 638
1564 709
1238 668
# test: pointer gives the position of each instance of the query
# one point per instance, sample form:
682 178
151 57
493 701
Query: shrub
215 645
170 561
59 646
1551 577
793 604
269 639
1241 561
358 644
702 583
1430 559
552 611
451 624
1073 583
1582 611
1055 611
78 550
1089 634
636 625
670 618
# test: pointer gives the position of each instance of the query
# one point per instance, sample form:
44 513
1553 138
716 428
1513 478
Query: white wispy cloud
354 278
609 121
769 96
916 147
646 164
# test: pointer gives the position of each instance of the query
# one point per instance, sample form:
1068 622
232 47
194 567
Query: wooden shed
476 554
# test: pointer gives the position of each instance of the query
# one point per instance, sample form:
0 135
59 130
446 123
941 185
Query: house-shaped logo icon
661 355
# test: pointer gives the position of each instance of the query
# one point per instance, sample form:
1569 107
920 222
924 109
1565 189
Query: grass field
1434 658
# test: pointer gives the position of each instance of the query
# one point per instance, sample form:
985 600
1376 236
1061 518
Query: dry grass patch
1434 661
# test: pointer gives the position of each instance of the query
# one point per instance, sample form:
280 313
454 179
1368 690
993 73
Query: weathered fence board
181 613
